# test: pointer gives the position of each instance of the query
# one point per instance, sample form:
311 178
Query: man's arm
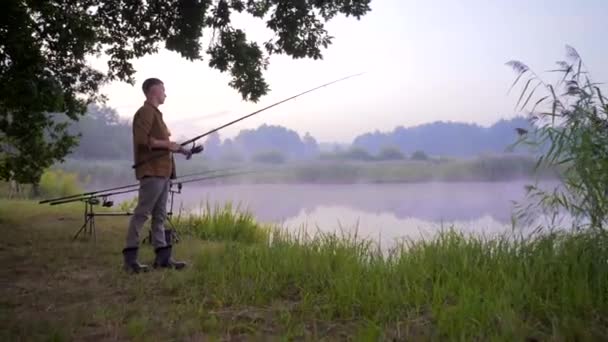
142 124
165 145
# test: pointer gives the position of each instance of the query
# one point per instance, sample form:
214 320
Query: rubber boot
163 254
130 261
164 260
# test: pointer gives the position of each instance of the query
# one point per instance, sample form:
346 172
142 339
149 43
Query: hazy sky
423 61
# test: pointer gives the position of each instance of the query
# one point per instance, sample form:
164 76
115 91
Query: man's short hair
149 83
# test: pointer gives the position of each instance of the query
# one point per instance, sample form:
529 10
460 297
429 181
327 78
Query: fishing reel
104 202
194 150
107 203
179 188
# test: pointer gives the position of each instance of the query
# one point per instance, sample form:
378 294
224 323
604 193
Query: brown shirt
148 122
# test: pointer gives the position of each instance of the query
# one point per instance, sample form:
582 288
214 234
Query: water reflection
383 211
426 201
385 227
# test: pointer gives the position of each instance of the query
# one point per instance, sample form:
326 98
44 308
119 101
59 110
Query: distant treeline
106 136
451 139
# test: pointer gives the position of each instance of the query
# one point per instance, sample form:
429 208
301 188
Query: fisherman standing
150 135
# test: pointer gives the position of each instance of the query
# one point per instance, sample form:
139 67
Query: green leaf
523 92
538 102
530 96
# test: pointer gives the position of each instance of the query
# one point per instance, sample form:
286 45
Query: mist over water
425 201
382 212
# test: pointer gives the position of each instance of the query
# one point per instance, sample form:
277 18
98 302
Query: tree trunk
36 190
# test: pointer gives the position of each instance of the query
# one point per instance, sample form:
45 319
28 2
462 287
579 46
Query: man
150 134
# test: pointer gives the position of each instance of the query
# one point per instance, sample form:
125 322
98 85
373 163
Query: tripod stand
88 227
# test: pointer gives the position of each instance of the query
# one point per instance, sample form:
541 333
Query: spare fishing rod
85 194
114 189
99 192
158 155
86 198
172 181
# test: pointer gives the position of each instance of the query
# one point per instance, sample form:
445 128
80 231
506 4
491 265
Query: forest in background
107 136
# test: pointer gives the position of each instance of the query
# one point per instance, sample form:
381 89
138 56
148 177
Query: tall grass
570 131
457 286
555 286
222 223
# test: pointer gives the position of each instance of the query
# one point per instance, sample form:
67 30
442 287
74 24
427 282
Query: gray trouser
153 192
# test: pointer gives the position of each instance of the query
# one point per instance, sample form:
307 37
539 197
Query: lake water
382 212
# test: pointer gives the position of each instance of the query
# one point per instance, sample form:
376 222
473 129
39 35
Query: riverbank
483 168
240 286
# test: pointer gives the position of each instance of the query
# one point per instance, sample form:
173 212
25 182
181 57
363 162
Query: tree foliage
571 118
44 46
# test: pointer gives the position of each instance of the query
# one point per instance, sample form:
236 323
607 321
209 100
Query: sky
423 61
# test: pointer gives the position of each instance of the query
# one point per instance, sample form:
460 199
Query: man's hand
165 144
175 147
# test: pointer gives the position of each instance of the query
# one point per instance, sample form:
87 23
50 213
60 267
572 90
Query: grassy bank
485 168
246 282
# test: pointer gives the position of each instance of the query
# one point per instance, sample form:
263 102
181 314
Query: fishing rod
85 194
86 198
242 118
126 186
204 173
217 176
